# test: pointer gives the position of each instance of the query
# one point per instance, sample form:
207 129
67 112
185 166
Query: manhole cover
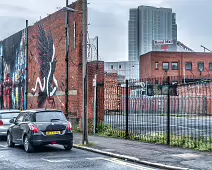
187 155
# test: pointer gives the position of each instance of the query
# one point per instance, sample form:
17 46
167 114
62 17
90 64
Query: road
55 157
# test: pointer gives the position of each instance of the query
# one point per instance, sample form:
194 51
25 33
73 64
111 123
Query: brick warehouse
192 71
180 64
46 65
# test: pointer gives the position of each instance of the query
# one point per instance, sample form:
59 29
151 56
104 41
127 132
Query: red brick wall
95 67
196 98
112 92
55 23
147 64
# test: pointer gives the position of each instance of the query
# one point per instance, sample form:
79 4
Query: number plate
53 133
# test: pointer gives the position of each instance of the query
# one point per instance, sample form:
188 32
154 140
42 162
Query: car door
22 126
16 128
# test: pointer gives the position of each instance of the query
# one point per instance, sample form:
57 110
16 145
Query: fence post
168 113
205 106
127 109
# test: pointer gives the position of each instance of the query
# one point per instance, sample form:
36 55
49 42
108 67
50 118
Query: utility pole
26 70
84 73
67 52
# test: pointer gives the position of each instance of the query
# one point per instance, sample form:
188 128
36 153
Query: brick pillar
96 67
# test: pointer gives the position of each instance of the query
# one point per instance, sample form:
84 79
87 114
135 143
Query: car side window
20 118
27 117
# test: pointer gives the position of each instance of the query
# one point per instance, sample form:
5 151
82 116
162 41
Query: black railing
162 110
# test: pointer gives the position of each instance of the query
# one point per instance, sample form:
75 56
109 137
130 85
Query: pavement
54 157
161 156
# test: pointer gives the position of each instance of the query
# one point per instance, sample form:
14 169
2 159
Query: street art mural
1 77
14 64
46 84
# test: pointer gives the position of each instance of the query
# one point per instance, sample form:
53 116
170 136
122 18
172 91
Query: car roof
9 111
41 110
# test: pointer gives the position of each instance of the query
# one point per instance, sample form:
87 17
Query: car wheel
69 146
28 147
10 142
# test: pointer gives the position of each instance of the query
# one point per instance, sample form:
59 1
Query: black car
40 127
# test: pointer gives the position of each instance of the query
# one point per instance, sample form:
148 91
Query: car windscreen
9 115
49 116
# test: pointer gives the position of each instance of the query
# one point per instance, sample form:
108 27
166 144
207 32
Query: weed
178 141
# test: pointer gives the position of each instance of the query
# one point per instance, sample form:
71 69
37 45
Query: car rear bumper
54 139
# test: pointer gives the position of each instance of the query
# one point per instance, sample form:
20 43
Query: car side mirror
12 120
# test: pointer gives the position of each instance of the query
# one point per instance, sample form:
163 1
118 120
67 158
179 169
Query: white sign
163 42
142 85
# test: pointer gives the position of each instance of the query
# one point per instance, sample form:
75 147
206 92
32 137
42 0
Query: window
20 118
165 66
111 67
27 117
175 66
201 66
119 66
75 35
156 65
9 115
49 116
210 66
188 66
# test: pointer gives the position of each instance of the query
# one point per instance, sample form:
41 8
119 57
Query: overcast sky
109 20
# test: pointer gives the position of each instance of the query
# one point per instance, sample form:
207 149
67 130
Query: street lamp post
84 67
67 9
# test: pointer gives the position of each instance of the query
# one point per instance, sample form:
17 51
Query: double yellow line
117 161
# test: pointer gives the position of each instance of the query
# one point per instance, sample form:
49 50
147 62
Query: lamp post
67 9
84 68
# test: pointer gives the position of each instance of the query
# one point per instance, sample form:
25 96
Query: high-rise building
146 24
174 27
